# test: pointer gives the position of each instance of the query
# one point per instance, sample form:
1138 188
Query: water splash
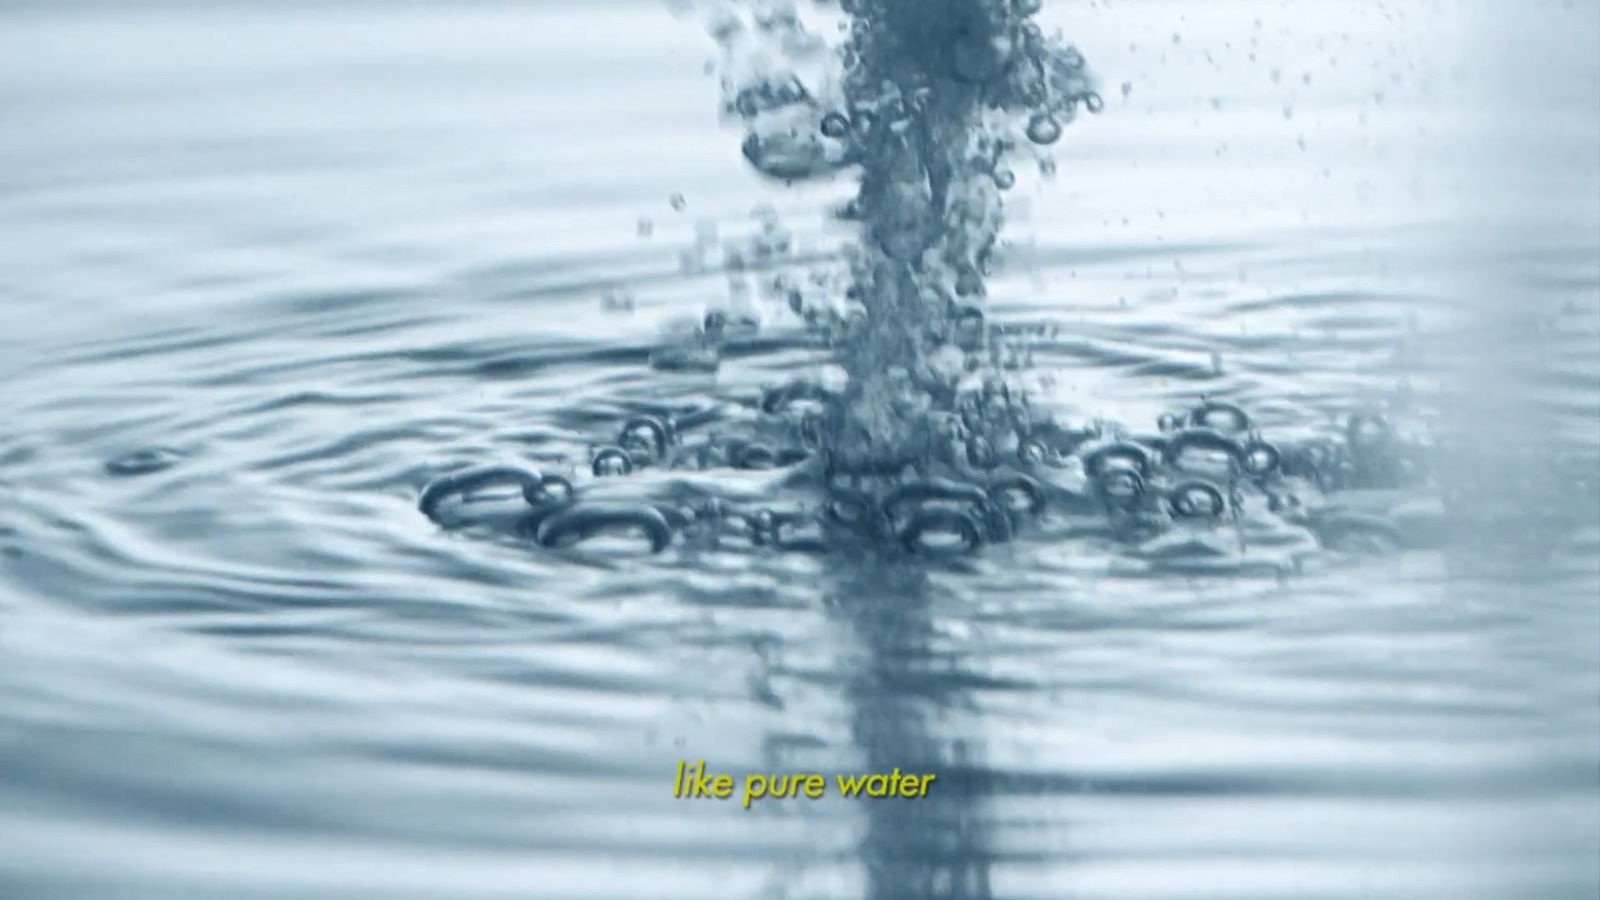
926 443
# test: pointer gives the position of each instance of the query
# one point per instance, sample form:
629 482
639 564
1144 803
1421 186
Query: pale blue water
322 252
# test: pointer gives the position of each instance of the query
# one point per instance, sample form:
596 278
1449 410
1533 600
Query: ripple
261 672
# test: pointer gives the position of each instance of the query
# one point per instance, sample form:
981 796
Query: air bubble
835 125
1005 179
977 59
1197 500
1224 417
788 148
1122 487
611 461
1044 130
645 438
1094 103
551 491
1261 458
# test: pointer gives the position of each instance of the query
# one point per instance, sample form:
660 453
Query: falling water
933 103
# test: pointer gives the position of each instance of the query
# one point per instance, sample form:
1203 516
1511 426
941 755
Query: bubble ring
460 484
1204 439
1260 459
1206 414
1197 500
1096 461
539 493
585 520
940 520
919 493
1121 488
660 434
598 463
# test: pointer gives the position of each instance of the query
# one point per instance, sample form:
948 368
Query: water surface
319 253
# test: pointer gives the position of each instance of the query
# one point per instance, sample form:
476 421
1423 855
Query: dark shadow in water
901 680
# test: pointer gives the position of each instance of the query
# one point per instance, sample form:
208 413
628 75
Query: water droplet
1043 130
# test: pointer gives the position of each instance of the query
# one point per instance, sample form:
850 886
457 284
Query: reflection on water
268 271
904 684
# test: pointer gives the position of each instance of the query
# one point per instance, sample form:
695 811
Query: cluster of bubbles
927 447
1204 468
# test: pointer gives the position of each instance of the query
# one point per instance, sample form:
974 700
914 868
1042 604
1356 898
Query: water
311 257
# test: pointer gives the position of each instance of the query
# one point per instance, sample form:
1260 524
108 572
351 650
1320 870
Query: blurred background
267 268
